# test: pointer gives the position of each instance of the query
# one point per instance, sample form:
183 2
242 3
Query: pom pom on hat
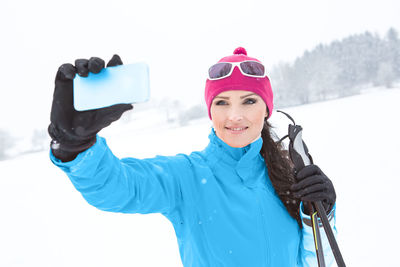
240 51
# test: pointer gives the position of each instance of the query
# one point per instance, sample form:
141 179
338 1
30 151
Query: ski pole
329 234
317 238
300 157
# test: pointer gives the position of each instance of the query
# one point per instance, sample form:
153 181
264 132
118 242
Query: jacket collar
247 161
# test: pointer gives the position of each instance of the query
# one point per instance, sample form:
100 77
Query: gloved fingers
117 107
317 196
66 72
101 118
125 107
306 182
82 67
311 190
96 64
114 61
308 170
114 112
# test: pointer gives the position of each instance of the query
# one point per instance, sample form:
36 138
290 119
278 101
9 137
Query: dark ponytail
280 170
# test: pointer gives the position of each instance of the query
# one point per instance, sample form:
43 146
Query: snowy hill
45 222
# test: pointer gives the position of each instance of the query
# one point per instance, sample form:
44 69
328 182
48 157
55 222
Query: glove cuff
68 152
67 146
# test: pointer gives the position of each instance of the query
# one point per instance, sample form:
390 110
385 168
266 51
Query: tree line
338 69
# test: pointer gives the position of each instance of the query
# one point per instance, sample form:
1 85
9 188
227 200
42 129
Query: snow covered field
44 221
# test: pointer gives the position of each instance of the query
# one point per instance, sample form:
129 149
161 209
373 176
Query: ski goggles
247 68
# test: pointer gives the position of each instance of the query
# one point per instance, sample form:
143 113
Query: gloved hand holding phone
73 131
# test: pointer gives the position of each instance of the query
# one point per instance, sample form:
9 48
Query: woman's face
238 117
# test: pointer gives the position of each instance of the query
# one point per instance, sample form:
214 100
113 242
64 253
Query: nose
235 114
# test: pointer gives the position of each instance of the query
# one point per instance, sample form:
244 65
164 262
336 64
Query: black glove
74 131
313 185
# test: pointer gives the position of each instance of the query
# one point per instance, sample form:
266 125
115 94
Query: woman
236 203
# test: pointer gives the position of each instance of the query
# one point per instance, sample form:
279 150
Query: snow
45 221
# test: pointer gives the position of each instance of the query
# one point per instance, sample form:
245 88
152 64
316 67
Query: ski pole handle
299 145
297 148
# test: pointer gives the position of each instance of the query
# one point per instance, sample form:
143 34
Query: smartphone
123 84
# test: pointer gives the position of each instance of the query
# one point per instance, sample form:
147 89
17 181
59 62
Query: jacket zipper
263 225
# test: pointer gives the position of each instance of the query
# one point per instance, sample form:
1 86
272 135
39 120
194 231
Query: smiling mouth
236 129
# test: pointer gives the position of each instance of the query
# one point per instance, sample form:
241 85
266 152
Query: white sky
179 40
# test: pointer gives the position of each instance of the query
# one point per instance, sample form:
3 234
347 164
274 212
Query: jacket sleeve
128 185
308 256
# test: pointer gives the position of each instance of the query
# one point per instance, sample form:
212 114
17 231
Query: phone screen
124 84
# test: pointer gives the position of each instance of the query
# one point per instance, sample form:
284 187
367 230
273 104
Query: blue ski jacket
221 203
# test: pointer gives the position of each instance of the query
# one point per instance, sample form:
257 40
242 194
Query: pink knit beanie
237 81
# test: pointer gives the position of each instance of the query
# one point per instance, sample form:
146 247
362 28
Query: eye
220 102
250 101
